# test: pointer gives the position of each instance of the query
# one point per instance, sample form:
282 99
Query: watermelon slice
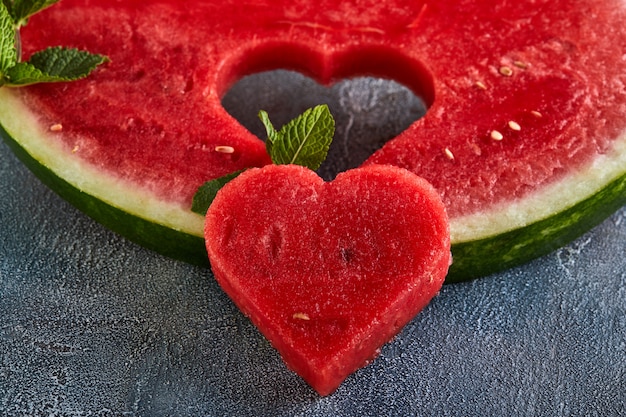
525 136
328 271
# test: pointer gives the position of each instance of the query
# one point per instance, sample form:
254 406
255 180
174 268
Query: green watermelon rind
482 257
176 232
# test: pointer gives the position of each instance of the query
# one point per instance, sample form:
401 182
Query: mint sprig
54 64
304 141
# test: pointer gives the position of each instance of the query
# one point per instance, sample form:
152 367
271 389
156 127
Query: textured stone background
93 325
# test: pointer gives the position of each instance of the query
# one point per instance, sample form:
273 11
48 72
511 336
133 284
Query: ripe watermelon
525 136
296 254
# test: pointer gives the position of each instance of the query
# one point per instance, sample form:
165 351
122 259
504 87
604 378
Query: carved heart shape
328 271
368 111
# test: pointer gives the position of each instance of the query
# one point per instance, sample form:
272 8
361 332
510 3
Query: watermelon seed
506 71
448 154
301 316
57 127
224 149
520 64
536 113
480 85
495 135
514 126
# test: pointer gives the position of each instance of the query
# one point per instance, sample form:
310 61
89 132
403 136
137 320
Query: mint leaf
304 140
21 10
8 49
53 65
205 195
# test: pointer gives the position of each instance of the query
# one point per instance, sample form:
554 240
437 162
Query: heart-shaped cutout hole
368 110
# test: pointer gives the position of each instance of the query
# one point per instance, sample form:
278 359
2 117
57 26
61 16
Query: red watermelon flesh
328 271
546 76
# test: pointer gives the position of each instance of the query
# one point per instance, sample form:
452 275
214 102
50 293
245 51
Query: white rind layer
548 201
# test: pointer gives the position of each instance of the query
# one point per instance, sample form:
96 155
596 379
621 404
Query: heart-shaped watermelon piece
328 271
